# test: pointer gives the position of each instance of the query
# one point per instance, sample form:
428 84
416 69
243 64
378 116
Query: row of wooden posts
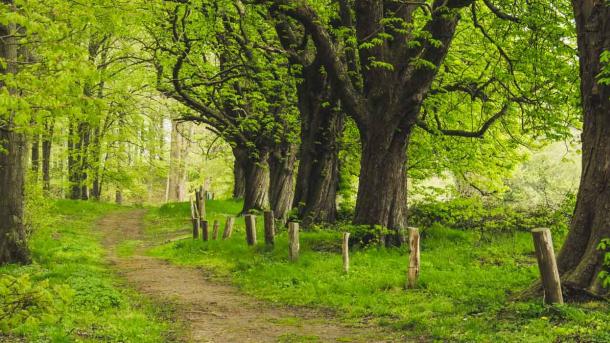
543 245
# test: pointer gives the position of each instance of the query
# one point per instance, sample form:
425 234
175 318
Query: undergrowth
69 293
465 292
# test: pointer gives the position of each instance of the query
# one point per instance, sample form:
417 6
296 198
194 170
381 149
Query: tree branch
463 133
498 12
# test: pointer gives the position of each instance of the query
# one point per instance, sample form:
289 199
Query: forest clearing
305 171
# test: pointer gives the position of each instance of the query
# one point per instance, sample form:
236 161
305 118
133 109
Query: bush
474 213
23 301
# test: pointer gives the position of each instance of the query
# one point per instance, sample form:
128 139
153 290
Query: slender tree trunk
321 129
47 143
382 190
96 165
178 170
257 183
281 188
78 149
35 155
579 260
183 167
72 162
85 133
13 161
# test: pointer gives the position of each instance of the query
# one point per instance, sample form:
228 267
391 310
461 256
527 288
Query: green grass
73 294
464 294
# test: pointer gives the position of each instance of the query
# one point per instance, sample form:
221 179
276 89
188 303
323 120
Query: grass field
465 293
70 293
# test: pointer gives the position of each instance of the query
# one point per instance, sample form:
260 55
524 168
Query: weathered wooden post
543 243
269 228
345 250
226 234
194 219
250 229
413 273
205 230
200 201
215 229
293 241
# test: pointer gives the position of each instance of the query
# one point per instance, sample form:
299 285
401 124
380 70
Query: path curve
215 312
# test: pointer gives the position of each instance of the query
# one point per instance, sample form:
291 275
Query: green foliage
27 302
490 218
69 293
463 295
604 275
604 76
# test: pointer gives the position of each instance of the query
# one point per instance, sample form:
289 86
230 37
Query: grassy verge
464 293
69 293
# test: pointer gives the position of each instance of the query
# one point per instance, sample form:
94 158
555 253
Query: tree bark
281 188
96 165
257 183
239 175
382 190
78 146
36 155
178 169
13 161
47 143
321 129
579 260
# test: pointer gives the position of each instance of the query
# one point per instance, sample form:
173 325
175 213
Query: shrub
474 213
604 275
23 301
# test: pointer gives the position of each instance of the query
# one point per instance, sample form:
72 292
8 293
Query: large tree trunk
321 129
281 188
13 161
257 183
239 173
579 259
47 142
382 189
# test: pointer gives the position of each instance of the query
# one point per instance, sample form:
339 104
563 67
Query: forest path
215 312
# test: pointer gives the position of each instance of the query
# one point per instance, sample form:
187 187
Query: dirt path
213 312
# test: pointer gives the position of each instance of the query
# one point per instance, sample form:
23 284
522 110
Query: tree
212 63
580 261
321 128
13 152
388 58
178 166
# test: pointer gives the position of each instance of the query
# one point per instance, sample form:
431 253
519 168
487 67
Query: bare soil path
215 312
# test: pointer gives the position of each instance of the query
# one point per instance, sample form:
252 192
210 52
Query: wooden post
250 229
543 243
215 229
194 220
293 241
345 249
205 233
413 273
269 228
226 234
200 201
195 228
